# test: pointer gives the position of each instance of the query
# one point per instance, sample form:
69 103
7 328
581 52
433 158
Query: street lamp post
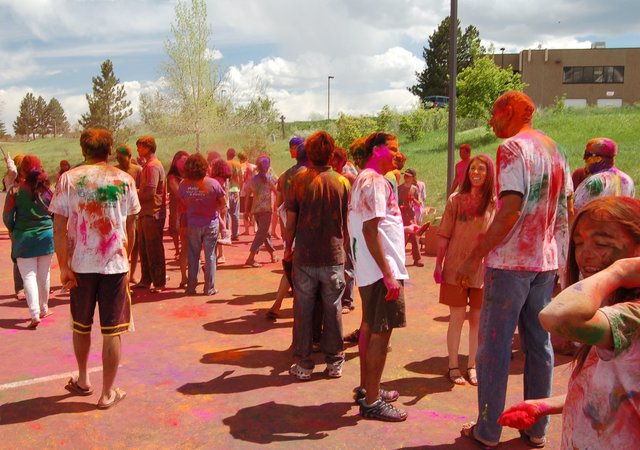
502 58
329 78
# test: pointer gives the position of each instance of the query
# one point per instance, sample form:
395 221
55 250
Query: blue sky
372 47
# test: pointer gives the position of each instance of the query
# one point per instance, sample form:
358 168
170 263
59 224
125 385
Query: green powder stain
82 181
538 188
110 193
595 187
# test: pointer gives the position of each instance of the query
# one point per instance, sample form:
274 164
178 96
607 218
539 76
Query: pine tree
27 121
3 130
434 79
58 124
108 106
42 117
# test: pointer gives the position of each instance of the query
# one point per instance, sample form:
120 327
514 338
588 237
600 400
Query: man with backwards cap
605 179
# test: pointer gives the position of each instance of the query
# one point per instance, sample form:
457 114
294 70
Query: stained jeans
512 298
152 251
197 238
234 214
263 235
349 279
308 282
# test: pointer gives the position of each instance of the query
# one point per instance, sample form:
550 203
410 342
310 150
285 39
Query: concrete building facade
586 77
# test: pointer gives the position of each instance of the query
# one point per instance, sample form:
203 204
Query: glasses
589 155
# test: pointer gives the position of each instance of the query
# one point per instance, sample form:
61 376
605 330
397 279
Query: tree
57 120
480 85
42 116
433 80
3 130
191 73
26 122
108 106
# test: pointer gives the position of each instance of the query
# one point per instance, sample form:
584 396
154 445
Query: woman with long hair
602 311
26 216
261 186
177 221
466 218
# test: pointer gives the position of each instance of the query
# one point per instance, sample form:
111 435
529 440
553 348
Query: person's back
531 164
612 182
153 174
319 196
200 198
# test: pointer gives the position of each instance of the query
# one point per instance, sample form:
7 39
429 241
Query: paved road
211 372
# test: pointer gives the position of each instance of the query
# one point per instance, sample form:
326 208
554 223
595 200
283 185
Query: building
597 76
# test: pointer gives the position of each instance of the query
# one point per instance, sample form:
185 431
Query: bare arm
131 233
575 313
504 221
525 414
443 244
374 245
60 240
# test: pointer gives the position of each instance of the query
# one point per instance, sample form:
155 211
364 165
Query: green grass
570 128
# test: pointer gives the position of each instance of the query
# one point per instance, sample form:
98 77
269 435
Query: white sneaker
334 370
300 372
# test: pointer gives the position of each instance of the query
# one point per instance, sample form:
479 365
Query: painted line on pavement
15 384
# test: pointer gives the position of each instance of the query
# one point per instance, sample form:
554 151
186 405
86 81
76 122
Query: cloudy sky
372 47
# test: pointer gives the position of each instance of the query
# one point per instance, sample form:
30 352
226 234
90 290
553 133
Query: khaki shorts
111 293
378 313
456 296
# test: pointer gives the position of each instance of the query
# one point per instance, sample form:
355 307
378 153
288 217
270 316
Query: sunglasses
589 155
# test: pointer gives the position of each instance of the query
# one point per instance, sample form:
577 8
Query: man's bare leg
110 361
81 347
375 357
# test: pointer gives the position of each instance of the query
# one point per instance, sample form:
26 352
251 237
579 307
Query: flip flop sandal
73 387
120 395
467 431
456 379
473 379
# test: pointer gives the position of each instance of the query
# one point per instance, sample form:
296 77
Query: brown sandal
456 379
473 379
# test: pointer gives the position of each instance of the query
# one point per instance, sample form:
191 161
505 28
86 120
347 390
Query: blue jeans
512 298
234 214
197 238
308 282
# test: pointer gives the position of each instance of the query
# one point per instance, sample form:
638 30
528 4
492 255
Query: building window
593 74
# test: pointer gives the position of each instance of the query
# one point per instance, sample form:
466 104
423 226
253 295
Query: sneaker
531 441
300 372
381 410
360 393
334 370
353 336
225 239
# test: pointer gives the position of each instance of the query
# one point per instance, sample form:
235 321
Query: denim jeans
349 279
512 298
263 235
308 282
234 214
152 260
197 238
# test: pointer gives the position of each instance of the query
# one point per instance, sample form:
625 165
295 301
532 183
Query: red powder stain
35 426
190 312
94 208
103 225
203 414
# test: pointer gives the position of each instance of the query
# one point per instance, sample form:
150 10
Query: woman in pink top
601 409
466 218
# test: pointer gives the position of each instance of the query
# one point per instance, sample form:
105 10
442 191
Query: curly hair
221 169
196 167
319 147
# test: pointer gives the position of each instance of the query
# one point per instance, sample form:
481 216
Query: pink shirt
602 408
531 164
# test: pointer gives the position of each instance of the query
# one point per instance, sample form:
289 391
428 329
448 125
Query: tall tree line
36 118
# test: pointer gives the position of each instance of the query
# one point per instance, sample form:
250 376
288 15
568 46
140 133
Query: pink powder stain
434 415
10 331
83 231
106 244
203 414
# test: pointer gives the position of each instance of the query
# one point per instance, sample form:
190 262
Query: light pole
502 58
329 78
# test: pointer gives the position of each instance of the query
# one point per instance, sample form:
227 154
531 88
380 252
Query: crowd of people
511 237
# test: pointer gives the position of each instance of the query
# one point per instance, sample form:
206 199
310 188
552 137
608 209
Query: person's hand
68 278
393 288
523 415
7 157
466 271
437 274
288 254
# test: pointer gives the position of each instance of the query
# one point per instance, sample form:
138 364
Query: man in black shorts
95 207
377 244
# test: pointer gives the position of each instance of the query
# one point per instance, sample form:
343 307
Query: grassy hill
570 128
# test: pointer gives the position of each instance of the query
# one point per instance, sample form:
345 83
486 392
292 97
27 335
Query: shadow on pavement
12 324
224 384
39 407
418 387
274 422
248 324
251 357
249 299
